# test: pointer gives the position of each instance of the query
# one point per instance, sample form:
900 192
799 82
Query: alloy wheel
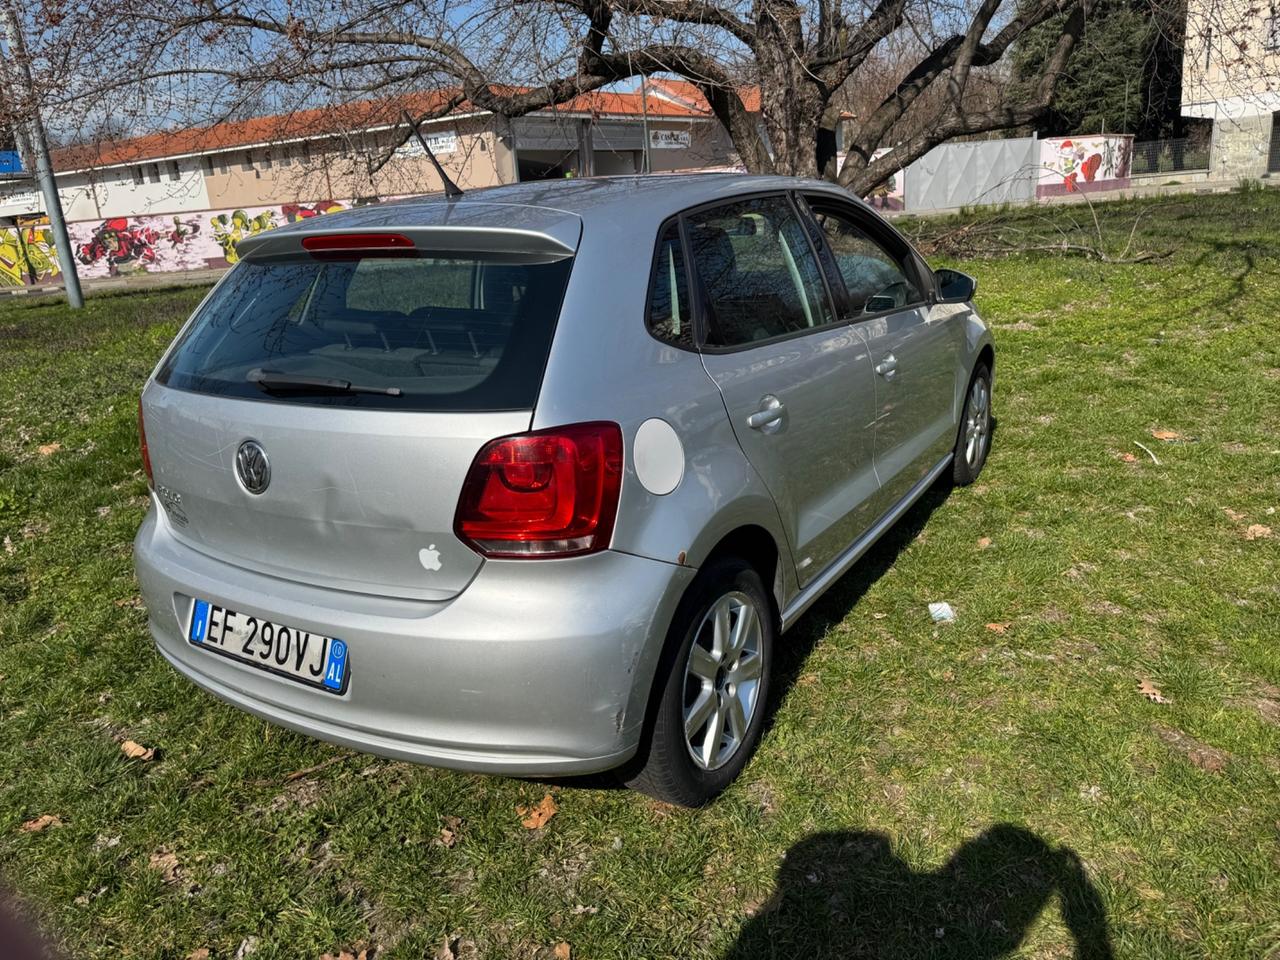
977 425
722 680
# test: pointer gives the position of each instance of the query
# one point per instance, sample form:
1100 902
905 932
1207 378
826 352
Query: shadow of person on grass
847 895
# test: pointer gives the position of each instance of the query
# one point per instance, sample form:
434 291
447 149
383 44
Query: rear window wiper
273 381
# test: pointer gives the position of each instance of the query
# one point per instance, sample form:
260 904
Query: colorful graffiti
27 256
230 229
1079 164
293 212
131 247
123 245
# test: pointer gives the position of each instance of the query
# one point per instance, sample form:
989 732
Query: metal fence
1169 156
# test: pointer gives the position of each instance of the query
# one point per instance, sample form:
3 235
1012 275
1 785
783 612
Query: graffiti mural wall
1082 164
26 253
158 244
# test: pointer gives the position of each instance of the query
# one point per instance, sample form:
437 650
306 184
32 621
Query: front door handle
887 367
769 417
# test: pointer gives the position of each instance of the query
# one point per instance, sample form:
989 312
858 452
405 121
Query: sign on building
20 201
440 143
669 139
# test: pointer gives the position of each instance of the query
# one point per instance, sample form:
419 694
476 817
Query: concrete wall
1239 147
1229 59
167 186
291 173
709 146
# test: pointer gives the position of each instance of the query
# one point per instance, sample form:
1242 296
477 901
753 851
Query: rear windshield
400 334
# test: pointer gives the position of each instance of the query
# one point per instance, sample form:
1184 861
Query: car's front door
886 292
797 383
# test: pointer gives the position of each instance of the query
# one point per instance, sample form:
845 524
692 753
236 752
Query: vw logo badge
252 467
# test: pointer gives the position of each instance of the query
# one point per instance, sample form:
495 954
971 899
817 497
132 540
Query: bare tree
515 57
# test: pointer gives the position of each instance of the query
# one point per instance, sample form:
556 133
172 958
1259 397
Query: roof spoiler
506 244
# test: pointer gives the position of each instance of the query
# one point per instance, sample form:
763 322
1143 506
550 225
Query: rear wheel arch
757 546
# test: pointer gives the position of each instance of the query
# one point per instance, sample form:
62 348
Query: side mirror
954 286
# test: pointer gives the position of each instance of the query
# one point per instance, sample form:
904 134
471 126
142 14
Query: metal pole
644 118
39 153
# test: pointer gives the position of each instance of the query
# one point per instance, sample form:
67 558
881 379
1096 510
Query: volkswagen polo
533 480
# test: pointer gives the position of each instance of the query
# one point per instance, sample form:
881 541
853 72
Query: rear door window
405 334
759 277
670 305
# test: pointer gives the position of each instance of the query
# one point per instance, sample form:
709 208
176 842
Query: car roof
543 204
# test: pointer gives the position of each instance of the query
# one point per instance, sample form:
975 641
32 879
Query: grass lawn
923 790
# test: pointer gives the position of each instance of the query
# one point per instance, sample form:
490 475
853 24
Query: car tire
690 770
973 439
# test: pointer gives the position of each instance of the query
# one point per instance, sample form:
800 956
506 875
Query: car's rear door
795 381
883 290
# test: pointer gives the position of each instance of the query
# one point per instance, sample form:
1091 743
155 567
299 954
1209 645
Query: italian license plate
297 654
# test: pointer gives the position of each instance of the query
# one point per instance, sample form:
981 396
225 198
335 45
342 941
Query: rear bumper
537 668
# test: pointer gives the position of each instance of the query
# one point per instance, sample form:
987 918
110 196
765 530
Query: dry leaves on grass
40 823
1235 516
1128 457
563 951
999 627
48 449
537 816
200 953
345 955
450 830
984 543
136 751
1166 435
1152 692
1257 531
166 862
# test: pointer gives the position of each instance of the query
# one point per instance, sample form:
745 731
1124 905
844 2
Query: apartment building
1231 75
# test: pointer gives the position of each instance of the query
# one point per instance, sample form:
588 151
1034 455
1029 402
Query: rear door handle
887 367
769 414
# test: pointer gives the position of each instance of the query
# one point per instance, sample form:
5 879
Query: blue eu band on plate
289 652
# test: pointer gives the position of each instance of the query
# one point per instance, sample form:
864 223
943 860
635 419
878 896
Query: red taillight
142 442
553 493
344 245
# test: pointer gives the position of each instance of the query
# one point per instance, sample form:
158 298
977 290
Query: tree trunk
790 103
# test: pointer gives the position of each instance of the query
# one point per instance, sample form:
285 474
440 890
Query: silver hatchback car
533 480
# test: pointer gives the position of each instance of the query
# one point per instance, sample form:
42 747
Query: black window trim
694 313
882 234
700 323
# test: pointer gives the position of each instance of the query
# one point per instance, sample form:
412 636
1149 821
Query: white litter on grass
941 612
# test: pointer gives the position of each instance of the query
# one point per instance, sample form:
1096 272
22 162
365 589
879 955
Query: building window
223 165
136 173
248 161
266 161
174 172
206 164
1272 40
153 172
306 151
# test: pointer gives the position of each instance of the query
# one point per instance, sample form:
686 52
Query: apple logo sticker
430 557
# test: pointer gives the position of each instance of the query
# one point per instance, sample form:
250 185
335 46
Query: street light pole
38 153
